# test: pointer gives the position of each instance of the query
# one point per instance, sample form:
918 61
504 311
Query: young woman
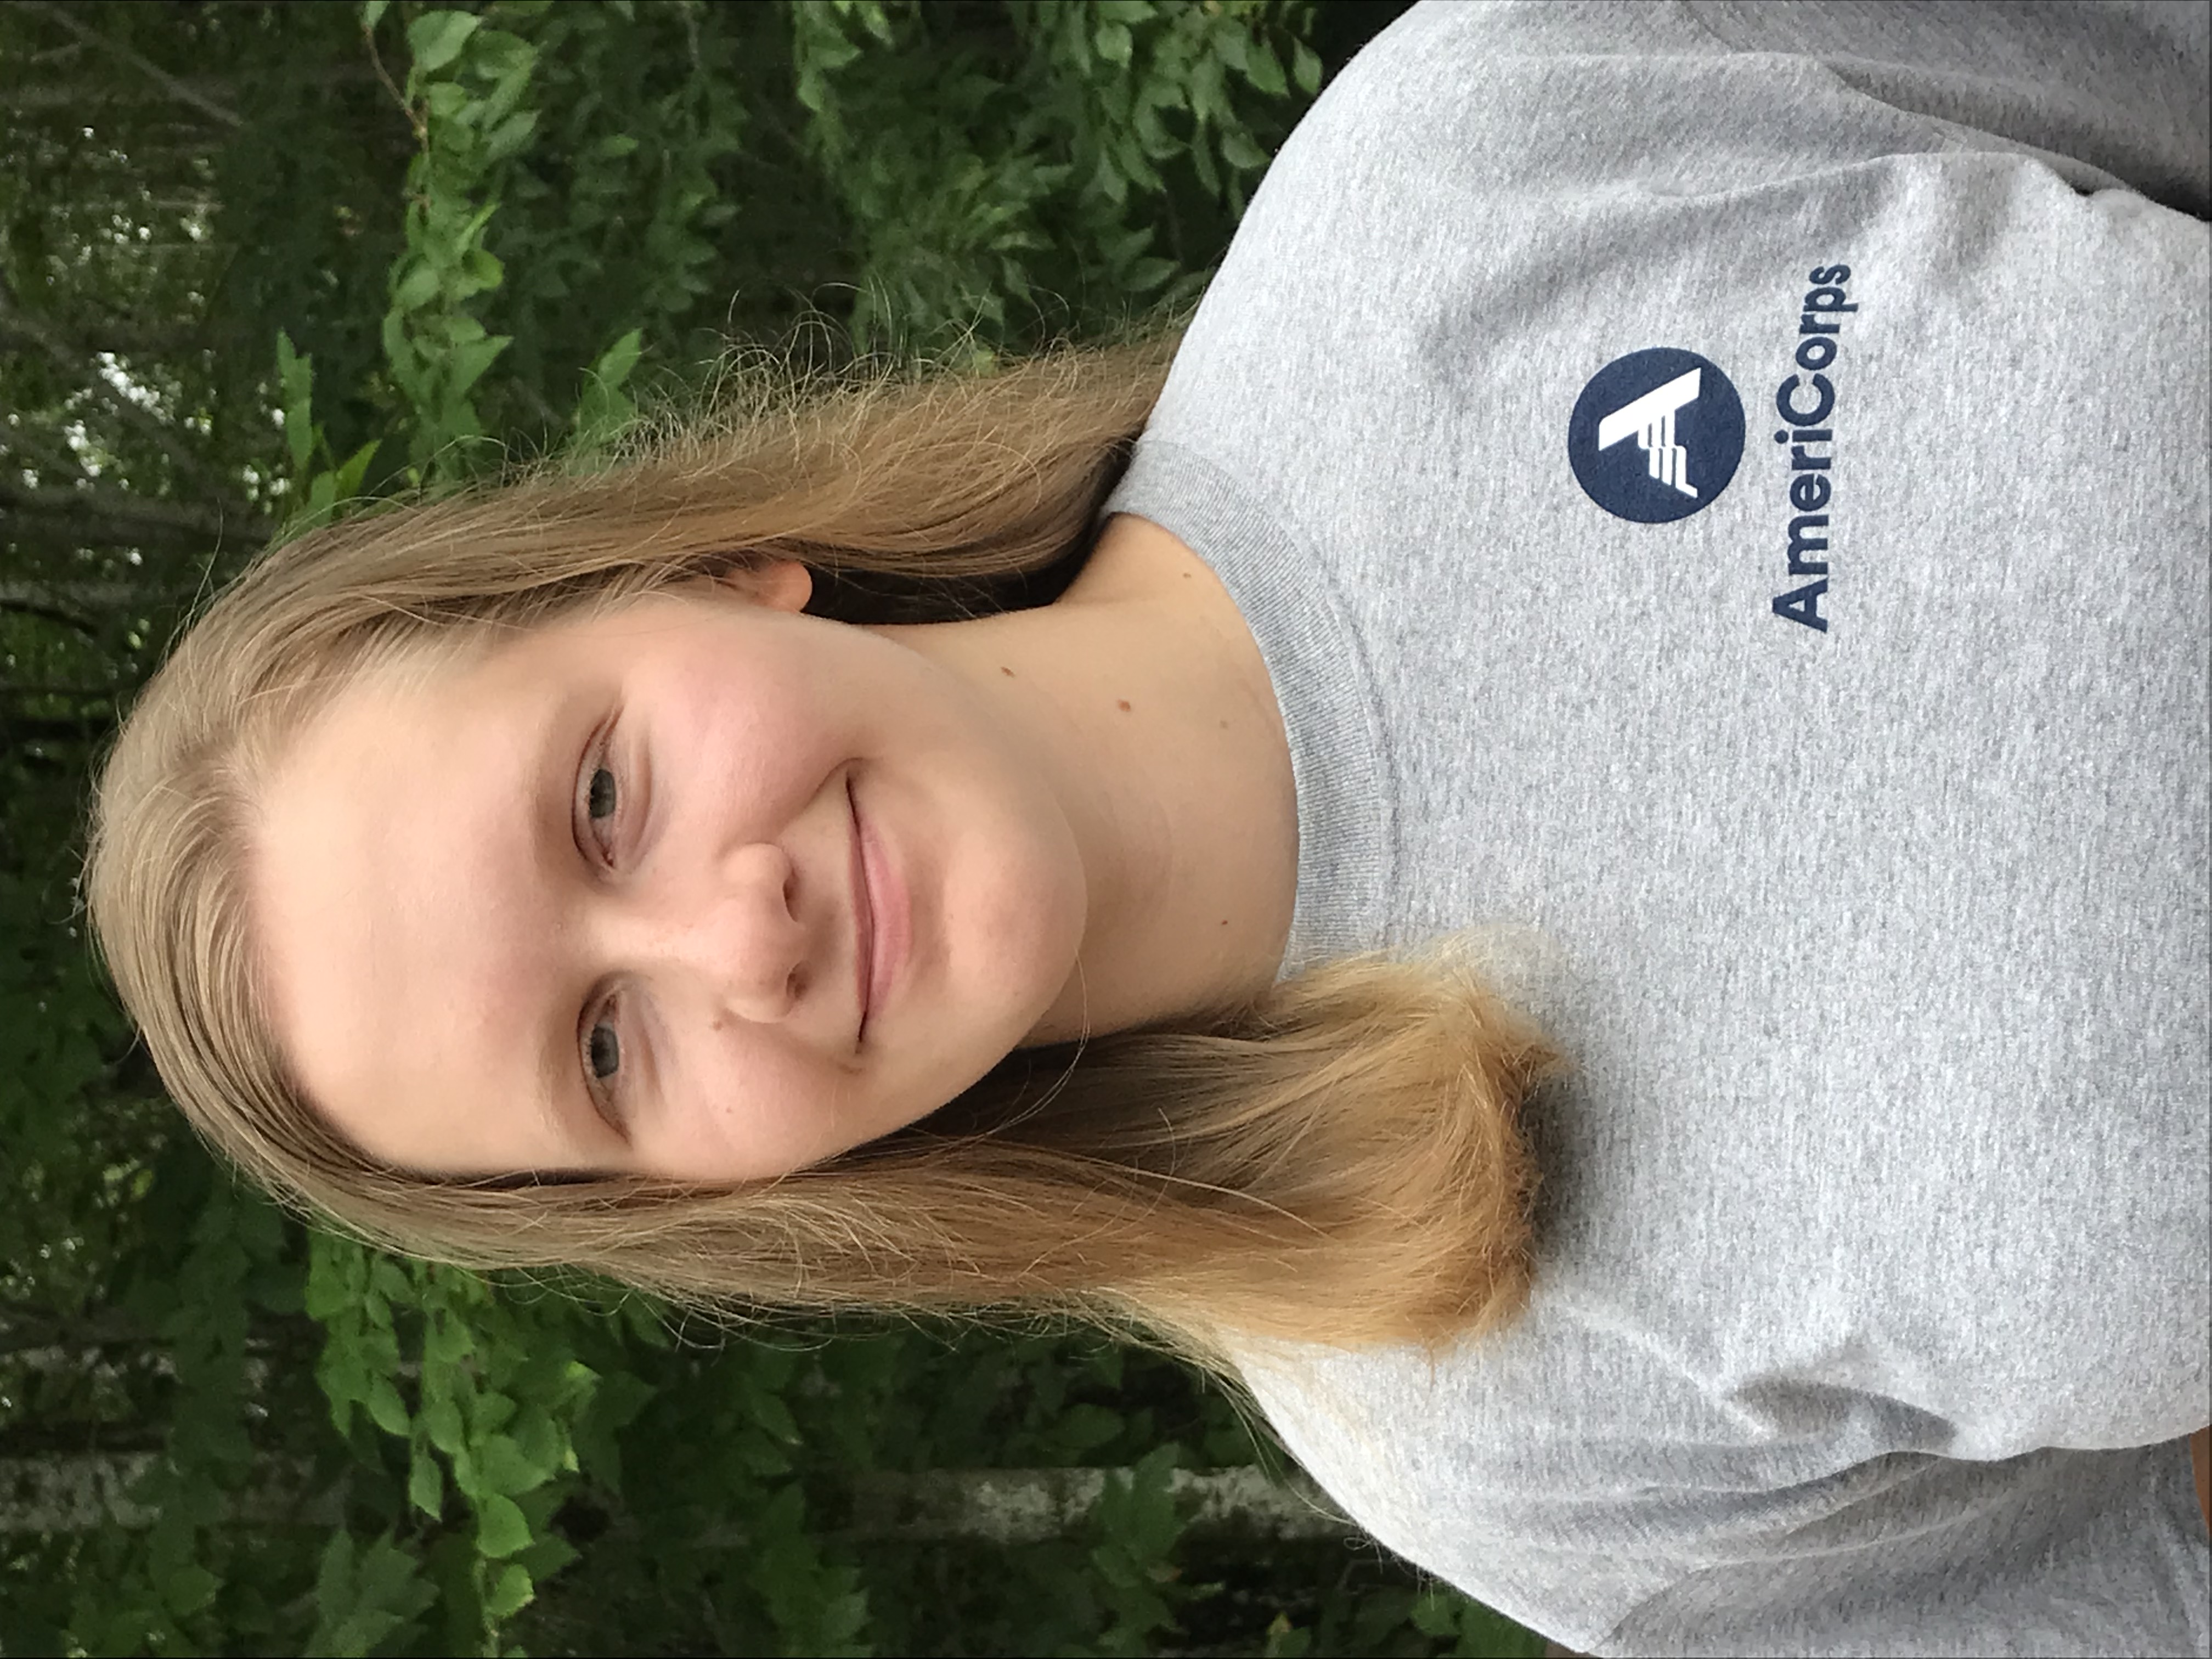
1708 497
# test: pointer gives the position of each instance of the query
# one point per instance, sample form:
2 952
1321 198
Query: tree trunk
126 517
74 602
1021 1506
77 1492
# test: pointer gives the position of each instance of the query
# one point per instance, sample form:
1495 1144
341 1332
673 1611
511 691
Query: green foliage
396 243
497 1399
987 171
464 97
1138 1526
330 488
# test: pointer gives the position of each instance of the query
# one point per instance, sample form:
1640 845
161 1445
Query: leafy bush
416 238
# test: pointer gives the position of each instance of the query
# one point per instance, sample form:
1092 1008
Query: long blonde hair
1341 1161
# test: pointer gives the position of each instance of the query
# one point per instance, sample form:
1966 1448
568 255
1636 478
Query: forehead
398 883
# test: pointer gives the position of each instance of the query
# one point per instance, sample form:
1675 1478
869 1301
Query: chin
1029 965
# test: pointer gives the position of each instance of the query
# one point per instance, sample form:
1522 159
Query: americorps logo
1655 436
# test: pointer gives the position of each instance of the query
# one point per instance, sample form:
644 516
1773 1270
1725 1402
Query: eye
602 1058
600 797
603 1049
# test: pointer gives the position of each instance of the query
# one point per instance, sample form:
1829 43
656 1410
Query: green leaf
510 136
1113 42
436 38
372 13
1305 68
425 1483
616 362
465 365
392 1578
450 101
334 1577
1082 1427
189 1588
491 1411
483 269
416 289
390 1278
407 366
276 1287
447 1342
501 1529
1264 69
1436 1613
441 1421
510 1592
347 485
539 1441
1146 274
759 1454
386 1406
1108 181
1231 42
547 1556
772 1414
1239 151
507 58
502 1468
871 13
356 1609
295 374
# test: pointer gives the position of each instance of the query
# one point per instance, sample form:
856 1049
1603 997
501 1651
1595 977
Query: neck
1146 705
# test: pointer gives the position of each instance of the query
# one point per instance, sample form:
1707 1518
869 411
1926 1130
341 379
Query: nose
729 936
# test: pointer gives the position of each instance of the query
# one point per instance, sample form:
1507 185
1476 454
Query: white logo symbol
1651 419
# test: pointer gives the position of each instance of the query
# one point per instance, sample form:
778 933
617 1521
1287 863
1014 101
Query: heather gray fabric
1870 896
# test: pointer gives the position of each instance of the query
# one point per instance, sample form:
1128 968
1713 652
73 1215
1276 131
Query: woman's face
600 896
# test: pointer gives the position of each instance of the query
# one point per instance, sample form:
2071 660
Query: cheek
756 1114
766 740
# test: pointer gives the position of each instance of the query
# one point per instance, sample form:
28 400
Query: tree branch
52 613
75 98
26 729
88 599
124 335
80 694
76 1491
106 1327
168 81
140 514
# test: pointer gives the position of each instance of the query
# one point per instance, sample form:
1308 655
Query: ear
780 584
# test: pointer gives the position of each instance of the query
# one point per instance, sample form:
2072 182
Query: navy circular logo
1655 436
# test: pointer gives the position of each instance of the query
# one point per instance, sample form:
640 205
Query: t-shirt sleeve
1553 1514
2114 85
1568 94
2054 1553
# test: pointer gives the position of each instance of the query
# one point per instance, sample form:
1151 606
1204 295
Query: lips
888 929
864 922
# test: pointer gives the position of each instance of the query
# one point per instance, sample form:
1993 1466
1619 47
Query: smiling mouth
864 922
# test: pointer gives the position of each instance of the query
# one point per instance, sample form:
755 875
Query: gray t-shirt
1846 793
